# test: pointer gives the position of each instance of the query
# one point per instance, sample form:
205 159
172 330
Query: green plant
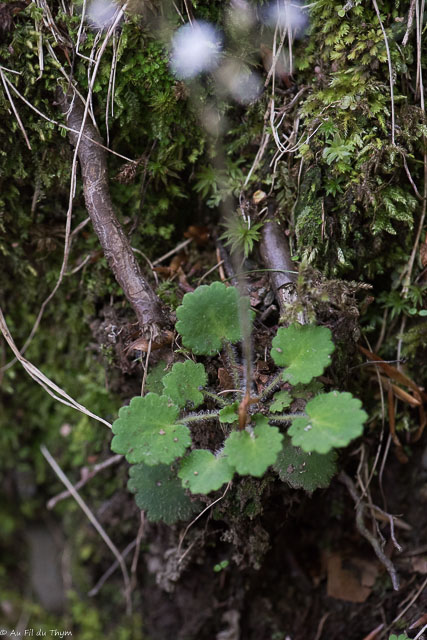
240 234
156 432
401 636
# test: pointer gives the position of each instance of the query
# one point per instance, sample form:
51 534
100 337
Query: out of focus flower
288 14
101 13
243 85
196 47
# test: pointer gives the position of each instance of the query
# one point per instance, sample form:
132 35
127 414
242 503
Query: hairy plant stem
215 397
286 417
271 386
231 357
199 417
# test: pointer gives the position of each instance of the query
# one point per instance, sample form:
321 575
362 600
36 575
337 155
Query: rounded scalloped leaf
333 420
281 400
202 472
145 431
208 317
182 384
160 493
252 453
305 469
155 377
304 350
229 414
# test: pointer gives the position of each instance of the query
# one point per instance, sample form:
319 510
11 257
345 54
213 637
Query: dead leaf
419 564
352 582
141 344
225 379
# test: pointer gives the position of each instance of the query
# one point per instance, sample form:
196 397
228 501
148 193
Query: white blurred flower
196 47
243 85
288 14
101 13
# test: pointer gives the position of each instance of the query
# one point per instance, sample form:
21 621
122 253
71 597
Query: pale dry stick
80 226
378 453
410 22
211 270
188 12
180 246
360 509
407 271
63 126
103 579
88 476
18 73
274 60
64 73
420 633
409 605
410 178
390 71
178 12
49 386
12 104
382 467
419 79
279 145
88 513
39 48
80 29
199 516
139 538
49 22
321 625
92 62
148 261
147 360
79 266
391 520
111 87
289 33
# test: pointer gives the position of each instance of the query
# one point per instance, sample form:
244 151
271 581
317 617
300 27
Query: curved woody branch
115 244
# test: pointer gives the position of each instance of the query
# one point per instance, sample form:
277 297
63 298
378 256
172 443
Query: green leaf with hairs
145 431
208 317
155 377
252 451
160 493
202 472
229 414
304 350
304 469
282 400
333 420
182 384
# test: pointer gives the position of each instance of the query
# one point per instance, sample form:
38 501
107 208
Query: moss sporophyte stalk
157 432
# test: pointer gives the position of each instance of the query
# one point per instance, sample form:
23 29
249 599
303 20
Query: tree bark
275 254
116 246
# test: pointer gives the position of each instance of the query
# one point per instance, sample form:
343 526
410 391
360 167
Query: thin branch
83 506
390 70
85 478
360 512
113 240
12 104
49 386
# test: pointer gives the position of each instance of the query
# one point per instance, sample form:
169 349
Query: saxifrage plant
157 432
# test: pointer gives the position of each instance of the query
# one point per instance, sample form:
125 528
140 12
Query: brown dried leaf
354 582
